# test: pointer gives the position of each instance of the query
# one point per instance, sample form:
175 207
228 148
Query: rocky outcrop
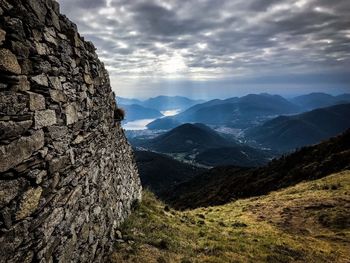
67 174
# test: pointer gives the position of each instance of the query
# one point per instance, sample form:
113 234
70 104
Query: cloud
216 39
83 4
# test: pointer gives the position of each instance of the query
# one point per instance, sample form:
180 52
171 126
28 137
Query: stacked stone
67 174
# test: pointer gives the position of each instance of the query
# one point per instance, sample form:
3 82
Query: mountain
222 184
127 101
320 100
240 155
238 112
187 138
192 112
163 103
344 97
286 133
135 112
167 123
171 122
158 172
200 144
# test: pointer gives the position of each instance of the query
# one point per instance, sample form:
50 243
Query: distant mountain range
224 184
286 133
127 101
162 103
319 100
201 144
159 172
137 112
241 112
244 112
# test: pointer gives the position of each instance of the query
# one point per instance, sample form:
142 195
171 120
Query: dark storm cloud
84 4
155 19
206 38
261 5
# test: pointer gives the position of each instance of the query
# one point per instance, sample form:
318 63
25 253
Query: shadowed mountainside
135 112
319 100
286 133
222 184
200 144
159 172
240 155
186 138
167 123
236 112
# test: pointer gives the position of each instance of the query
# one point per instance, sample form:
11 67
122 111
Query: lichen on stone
29 202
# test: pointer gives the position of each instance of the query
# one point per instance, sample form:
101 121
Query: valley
246 131
294 209
221 184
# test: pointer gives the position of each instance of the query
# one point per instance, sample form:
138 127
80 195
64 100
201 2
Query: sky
218 48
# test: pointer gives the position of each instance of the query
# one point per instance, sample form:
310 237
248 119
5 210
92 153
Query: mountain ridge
290 132
135 112
222 184
162 102
319 100
237 112
187 137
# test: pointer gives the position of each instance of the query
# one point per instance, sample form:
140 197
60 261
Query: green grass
305 223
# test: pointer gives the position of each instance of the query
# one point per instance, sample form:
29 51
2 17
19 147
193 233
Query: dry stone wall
67 174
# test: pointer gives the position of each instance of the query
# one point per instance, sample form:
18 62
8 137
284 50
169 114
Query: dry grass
305 223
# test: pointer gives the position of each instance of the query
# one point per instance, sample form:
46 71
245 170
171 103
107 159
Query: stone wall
67 173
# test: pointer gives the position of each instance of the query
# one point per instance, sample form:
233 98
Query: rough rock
58 95
2 36
36 101
41 48
50 36
68 175
8 191
56 83
29 202
23 84
39 9
10 129
9 62
19 150
44 118
41 80
71 114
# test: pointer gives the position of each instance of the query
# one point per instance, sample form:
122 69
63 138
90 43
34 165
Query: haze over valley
269 123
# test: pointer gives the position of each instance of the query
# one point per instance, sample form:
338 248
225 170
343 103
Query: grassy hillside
308 222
